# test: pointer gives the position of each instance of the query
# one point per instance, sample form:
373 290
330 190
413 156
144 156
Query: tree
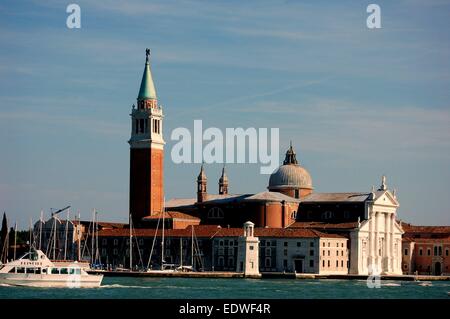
3 233
4 230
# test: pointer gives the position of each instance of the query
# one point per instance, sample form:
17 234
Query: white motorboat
34 269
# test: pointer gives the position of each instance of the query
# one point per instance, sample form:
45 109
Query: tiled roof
171 215
408 228
427 240
324 226
271 196
179 202
336 197
217 231
226 198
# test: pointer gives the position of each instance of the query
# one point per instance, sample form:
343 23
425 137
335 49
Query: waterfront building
425 250
248 251
215 248
368 219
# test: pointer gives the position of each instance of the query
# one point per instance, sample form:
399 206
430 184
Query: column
377 239
387 241
393 252
371 253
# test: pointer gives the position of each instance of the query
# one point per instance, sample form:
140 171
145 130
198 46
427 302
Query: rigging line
153 244
139 250
86 241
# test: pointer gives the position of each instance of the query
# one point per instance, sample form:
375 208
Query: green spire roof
147 90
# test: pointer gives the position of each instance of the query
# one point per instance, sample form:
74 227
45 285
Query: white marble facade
377 241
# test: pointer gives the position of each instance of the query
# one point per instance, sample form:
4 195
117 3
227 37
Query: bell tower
146 151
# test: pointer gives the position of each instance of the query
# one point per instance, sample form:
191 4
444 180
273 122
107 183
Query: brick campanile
146 151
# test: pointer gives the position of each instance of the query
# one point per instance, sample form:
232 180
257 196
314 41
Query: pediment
386 198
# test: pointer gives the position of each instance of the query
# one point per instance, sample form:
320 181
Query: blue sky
357 103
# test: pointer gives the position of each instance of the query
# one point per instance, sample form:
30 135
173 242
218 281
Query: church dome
290 174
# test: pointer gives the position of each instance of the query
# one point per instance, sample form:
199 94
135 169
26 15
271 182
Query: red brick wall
146 182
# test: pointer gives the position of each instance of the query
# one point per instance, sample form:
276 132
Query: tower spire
147 90
201 185
223 182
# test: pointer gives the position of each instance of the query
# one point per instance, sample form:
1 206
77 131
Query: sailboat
164 268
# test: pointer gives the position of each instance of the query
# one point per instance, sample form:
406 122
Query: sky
357 103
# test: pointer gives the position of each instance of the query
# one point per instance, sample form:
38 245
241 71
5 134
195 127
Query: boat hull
51 281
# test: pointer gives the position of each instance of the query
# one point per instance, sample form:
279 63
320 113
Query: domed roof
290 174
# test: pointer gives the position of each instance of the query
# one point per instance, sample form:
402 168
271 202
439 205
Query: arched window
294 215
327 215
215 212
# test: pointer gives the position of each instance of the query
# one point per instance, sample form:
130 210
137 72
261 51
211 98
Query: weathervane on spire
147 53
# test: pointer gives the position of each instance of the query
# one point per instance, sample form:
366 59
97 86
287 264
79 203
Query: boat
426 284
34 269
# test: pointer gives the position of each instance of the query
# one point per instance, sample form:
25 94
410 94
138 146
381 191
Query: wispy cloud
87 124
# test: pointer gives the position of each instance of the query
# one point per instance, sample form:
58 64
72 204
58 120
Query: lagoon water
200 288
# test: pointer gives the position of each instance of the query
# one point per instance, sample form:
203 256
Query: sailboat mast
31 233
162 241
15 240
54 237
131 245
181 252
93 237
66 235
79 236
97 253
192 247
40 229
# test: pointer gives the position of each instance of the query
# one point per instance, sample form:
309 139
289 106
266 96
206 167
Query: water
200 288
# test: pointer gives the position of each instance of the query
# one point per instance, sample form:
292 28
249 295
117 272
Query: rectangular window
406 251
299 244
323 263
446 252
429 252
311 244
311 252
311 263
251 247
342 263
337 264
285 244
285 252
328 263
